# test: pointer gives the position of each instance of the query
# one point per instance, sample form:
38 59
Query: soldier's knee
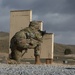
15 55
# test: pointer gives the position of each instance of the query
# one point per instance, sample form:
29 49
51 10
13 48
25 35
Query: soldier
27 38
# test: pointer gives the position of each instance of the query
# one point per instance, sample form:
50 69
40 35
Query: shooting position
27 38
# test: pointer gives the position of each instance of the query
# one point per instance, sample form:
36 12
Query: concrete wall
20 19
40 25
47 46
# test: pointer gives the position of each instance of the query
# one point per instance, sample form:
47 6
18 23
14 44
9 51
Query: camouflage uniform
34 37
27 38
16 46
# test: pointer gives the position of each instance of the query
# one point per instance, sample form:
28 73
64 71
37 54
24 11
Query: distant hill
4 41
4 34
58 48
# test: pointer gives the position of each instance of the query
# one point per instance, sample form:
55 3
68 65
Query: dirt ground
3 57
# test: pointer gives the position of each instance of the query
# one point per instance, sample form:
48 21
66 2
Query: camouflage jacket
26 37
32 34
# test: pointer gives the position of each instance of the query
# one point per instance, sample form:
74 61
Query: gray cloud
58 22
58 16
4 23
17 4
42 6
65 37
54 6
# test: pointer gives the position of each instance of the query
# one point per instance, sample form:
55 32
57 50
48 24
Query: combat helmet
33 23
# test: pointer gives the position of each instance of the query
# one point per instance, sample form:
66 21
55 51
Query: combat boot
37 60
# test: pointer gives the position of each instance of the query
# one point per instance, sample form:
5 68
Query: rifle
42 32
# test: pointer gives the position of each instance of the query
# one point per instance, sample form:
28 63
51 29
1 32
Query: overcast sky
58 16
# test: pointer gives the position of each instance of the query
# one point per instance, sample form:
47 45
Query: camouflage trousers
17 54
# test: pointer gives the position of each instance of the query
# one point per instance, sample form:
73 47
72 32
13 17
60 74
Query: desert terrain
59 49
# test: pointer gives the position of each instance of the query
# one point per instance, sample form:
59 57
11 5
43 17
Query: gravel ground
28 69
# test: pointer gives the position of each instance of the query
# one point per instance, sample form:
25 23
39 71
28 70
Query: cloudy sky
58 16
